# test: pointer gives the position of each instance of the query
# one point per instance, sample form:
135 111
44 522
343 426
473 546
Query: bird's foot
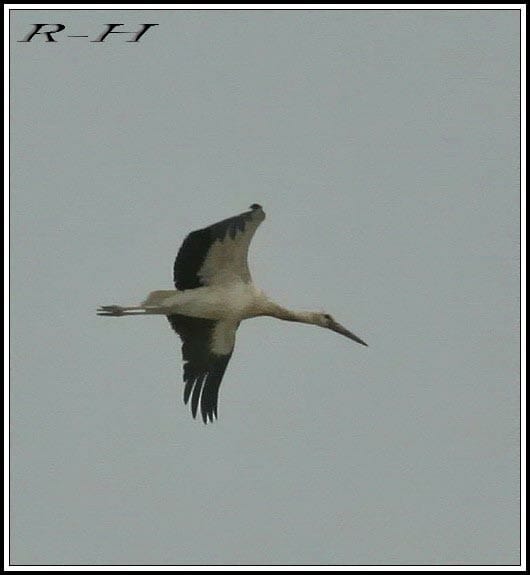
110 310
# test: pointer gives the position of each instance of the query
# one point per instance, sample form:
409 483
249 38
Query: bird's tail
156 298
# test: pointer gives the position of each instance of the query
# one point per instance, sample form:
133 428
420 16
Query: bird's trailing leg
118 310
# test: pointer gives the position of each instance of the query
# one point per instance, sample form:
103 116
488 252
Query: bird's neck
273 309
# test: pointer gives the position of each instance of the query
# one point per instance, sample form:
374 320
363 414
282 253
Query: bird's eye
327 316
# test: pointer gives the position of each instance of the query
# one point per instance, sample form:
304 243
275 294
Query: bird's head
325 320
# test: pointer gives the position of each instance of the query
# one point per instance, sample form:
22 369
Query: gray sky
384 147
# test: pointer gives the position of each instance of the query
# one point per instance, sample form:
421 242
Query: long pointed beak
343 331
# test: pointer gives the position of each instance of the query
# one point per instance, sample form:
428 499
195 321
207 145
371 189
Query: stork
214 294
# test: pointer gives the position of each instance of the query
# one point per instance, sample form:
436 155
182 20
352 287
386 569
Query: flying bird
214 293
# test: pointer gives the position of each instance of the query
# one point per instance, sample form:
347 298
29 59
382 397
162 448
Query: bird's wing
207 346
217 254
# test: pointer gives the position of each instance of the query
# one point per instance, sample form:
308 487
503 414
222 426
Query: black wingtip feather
188 389
196 394
210 396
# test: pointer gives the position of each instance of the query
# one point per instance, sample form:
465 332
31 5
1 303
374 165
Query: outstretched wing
207 347
217 254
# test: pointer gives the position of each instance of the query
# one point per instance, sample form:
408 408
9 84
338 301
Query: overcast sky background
384 148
